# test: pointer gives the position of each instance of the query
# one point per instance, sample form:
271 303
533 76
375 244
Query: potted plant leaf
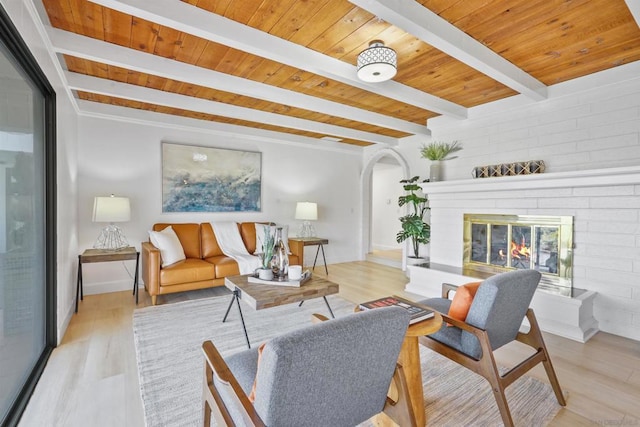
413 225
437 152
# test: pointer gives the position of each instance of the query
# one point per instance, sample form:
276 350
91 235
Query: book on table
418 312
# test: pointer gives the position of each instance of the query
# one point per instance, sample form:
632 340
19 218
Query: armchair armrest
297 248
151 263
215 365
447 288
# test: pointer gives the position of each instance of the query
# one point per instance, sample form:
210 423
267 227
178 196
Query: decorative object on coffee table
266 257
280 263
437 152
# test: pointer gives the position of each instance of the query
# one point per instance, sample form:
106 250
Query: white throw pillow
272 228
170 247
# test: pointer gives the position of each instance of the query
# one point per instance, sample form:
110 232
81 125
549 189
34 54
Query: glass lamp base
306 230
111 238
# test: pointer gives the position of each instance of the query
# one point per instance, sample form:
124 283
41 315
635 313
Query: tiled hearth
605 205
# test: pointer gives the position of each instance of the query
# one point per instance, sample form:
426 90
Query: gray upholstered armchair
494 319
335 373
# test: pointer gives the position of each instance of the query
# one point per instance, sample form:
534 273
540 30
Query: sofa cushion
189 236
189 270
224 266
248 234
210 247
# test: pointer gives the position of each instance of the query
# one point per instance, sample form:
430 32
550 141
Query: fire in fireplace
496 243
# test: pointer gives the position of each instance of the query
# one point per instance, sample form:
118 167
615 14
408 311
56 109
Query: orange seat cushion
462 301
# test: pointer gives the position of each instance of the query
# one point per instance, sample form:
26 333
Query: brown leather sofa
205 266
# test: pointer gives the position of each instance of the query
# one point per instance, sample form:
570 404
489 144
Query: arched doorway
366 191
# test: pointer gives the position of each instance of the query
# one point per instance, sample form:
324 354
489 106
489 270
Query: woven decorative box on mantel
509 169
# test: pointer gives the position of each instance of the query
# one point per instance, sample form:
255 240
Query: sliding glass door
27 206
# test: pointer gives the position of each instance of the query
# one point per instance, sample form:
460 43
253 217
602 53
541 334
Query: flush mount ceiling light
377 63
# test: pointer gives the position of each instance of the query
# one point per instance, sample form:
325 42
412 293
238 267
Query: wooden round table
409 359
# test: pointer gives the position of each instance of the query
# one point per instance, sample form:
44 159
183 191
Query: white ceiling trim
437 32
198 22
634 7
175 123
107 87
95 50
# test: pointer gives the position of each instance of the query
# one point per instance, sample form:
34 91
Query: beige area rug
168 341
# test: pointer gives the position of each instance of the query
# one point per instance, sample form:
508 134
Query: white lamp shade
307 211
111 209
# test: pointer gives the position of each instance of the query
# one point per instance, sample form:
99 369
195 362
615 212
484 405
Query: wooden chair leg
501 399
535 339
207 414
489 370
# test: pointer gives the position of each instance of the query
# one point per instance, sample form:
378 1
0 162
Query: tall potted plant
413 225
438 152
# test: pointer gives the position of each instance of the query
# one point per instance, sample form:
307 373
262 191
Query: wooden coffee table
259 296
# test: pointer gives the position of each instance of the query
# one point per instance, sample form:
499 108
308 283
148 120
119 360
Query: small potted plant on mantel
413 225
438 152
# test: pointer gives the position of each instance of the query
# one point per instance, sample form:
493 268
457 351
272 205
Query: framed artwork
205 179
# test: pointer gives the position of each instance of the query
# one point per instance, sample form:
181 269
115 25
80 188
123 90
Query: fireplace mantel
587 178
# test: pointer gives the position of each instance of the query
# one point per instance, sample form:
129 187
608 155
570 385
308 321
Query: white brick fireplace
605 205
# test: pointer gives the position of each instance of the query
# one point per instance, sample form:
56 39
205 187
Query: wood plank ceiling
288 65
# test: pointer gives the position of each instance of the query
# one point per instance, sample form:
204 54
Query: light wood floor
92 380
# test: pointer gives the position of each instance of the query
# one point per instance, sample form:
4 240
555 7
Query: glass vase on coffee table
280 262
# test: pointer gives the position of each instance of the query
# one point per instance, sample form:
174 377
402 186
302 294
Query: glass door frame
24 60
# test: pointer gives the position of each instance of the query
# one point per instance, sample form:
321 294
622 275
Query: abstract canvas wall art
206 179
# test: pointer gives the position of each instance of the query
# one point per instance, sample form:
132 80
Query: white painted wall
125 159
22 14
385 211
578 128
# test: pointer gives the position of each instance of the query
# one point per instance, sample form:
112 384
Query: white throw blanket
228 237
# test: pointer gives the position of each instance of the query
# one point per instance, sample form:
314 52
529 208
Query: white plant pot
265 274
435 171
416 261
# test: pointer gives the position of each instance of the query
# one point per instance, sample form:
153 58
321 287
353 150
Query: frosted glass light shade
111 209
307 211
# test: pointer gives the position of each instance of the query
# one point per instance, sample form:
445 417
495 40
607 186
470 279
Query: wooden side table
103 255
409 359
314 241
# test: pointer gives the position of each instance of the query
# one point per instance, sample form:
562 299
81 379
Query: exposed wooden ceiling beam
230 131
198 22
107 87
437 32
95 50
634 7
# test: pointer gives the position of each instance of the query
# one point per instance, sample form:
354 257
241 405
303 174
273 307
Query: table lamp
306 211
111 209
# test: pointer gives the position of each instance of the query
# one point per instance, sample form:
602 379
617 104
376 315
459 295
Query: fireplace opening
497 243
